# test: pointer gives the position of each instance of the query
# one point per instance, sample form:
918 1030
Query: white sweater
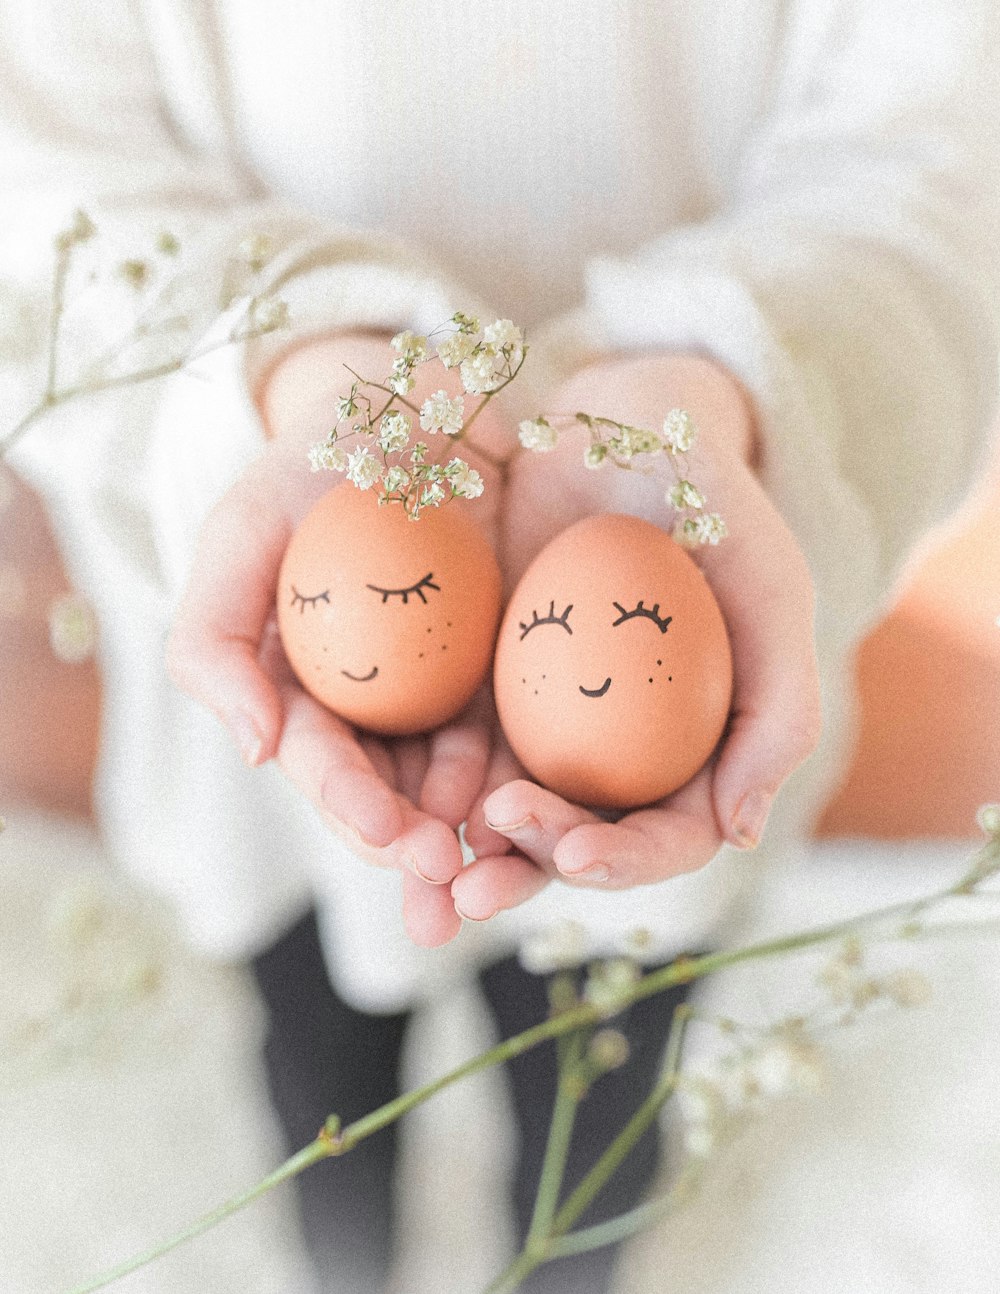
806 191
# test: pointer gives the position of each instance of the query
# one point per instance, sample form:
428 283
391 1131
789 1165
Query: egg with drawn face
388 622
613 672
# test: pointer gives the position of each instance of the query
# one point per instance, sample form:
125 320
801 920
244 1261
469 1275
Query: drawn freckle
670 678
429 629
536 691
420 656
524 680
444 646
659 662
650 680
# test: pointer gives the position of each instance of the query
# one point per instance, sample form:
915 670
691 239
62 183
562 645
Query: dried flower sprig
621 444
384 453
154 320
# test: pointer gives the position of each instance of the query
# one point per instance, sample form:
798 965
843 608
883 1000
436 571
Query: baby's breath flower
465 323
594 455
685 495
608 1049
479 372
988 818
634 440
559 947
433 495
396 480
678 431
440 413
363 468
784 1065
255 251
707 528
346 407
410 346
72 629
465 480
506 338
135 272
705 1114
456 348
537 434
267 314
907 988
400 383
326 456
608 981
394 432
419 452
80 230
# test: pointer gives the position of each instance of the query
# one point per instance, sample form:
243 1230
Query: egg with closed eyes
389 622
613 670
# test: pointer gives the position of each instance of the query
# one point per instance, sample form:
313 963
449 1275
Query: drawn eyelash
550 619
653 614
302 600
418 589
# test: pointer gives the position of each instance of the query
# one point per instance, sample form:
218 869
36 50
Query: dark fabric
518 1000
324 1056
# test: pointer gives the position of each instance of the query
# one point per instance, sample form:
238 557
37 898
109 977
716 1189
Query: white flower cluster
851 987
620 443
384 455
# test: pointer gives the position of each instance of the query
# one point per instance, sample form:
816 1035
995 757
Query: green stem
627 1139
55 319
569 1093
681 971
315 1151
625 1224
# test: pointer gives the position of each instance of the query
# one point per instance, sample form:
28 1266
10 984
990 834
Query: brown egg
613 673
389 622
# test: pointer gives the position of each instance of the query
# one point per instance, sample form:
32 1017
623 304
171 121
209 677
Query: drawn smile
596 691
368 677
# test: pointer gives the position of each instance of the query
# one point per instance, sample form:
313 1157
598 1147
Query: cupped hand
396 802
525 835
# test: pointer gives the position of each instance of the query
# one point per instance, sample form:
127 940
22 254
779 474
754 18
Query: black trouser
324 1056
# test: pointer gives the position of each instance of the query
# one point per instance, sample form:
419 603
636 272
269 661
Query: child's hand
396 802
524 835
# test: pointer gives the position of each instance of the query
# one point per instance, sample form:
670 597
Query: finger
456 770
322 757
765 591
479 835
492 885
428 912
212 652
426 847
533 819
649 845
410 756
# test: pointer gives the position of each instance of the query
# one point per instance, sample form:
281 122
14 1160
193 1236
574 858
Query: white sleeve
129 474
850 278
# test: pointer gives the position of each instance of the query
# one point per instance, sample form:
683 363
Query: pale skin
398 802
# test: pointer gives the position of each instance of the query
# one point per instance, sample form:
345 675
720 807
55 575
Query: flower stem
681 971
312 1153
569 1092
625 1142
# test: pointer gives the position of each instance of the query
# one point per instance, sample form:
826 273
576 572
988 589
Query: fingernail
751 818
247 738
465 916
414 866
528 822
596 872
